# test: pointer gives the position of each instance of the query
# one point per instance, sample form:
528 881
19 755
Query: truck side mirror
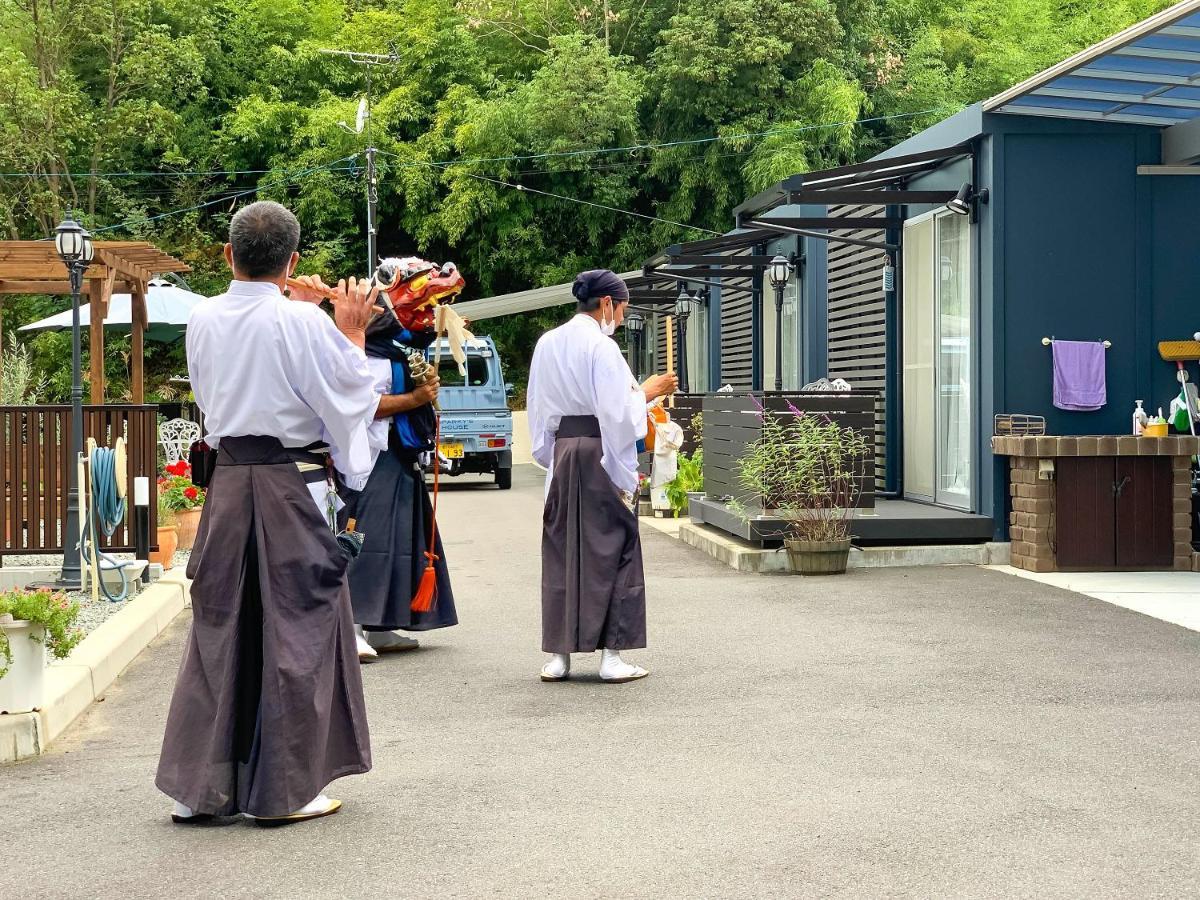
509 390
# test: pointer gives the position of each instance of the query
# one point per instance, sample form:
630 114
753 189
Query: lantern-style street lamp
779 273
75 248
684 304
635 324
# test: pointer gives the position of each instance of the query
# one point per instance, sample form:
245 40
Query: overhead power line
615 209
632 148
230 197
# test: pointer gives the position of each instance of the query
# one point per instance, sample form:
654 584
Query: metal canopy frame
1148 74
855 184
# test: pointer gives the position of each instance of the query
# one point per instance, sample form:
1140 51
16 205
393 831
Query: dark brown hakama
268 706
593 588
393 513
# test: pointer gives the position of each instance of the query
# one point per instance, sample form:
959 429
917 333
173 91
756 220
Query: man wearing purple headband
586 416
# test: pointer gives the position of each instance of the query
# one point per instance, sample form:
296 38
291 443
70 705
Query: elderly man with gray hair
268 705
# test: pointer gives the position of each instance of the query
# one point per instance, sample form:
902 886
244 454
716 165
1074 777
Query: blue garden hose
106 510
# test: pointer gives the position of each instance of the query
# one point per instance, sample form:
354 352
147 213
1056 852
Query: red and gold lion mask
415 288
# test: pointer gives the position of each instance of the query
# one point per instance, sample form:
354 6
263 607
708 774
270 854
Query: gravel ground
92 613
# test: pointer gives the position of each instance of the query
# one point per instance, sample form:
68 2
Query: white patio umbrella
167 310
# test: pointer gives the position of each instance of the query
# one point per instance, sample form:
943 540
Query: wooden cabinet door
1085 513
1144 506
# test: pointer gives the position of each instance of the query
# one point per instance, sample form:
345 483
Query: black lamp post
635 323
779 273
683 308
74 246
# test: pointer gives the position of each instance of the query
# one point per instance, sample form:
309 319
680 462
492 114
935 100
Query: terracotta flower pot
819 557
187 520
168 542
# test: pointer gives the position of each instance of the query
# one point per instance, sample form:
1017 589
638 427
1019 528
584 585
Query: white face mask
608 327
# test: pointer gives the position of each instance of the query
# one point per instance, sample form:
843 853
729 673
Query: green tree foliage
482 95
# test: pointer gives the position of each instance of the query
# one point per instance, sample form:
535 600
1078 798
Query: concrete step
746 557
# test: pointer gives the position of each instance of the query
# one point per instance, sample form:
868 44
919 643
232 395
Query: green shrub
19 384
806 468
50 609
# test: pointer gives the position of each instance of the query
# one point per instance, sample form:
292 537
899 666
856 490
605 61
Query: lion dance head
416 287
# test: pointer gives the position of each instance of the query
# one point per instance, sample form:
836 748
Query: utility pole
363 127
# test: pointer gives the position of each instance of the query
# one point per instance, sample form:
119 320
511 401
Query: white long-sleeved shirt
377 431
261 364
578 371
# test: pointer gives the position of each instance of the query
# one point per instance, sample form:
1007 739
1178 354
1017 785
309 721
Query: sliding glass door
938 355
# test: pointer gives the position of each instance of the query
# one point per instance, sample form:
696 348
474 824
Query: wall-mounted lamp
965 201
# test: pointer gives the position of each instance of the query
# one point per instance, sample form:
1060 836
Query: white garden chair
176 436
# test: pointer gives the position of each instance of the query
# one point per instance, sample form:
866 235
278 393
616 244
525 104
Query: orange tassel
422 600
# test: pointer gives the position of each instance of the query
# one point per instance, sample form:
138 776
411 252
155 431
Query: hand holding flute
311 289
353 301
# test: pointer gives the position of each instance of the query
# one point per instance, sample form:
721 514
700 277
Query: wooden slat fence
35 451
731 422
685 410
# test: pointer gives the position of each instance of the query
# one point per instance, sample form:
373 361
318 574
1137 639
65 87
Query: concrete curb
745 557
75 683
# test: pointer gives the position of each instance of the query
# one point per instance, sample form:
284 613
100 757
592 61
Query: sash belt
578 427
262 450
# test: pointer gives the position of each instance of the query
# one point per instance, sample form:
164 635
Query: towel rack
1047 341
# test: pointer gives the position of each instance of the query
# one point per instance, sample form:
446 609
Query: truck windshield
477 372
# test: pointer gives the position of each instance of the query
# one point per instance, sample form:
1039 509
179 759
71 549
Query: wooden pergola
34 267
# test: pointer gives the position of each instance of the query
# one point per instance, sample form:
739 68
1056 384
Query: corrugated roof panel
1067 103
1149 74
1108 85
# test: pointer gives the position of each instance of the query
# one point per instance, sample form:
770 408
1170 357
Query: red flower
179 469
191 493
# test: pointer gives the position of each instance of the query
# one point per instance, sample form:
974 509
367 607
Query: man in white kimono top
268 705
586 416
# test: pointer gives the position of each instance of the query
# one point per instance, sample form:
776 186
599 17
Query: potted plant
184 499
808 470
688 481
168 534
32 622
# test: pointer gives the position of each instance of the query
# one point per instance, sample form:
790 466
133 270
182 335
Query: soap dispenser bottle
1139 419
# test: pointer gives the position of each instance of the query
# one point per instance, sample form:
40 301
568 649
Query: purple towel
1079 375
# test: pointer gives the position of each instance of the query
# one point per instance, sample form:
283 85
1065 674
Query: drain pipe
893 342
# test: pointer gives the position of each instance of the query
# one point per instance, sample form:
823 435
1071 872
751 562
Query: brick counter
1036 518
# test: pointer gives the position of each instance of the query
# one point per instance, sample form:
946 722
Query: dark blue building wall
1073 244
1082 247
1175 268
1076 263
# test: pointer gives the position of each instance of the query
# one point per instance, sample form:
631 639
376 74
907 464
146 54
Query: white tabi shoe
557 668
366 653
390 642
185 815
318 808
615 670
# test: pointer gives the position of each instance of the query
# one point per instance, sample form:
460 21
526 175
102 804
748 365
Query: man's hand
428 392
308 289
353 303
660 386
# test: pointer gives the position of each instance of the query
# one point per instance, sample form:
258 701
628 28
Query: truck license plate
451 451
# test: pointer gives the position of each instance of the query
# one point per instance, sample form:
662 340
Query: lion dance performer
394 510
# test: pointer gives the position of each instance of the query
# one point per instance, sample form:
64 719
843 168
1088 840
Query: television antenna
362 126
